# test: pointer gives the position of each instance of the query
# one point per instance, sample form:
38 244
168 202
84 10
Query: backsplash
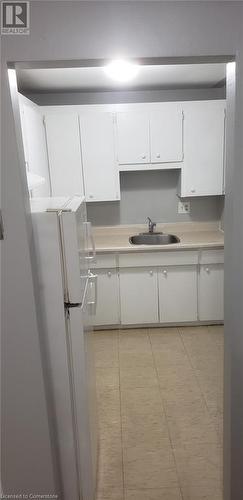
152 194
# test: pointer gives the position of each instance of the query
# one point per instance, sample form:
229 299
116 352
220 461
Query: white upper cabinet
166 133
133 138
203 167
34 143
64 153
101 174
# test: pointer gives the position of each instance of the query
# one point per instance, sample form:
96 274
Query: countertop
193 235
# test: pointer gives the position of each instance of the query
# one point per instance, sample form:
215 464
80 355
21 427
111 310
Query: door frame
230 138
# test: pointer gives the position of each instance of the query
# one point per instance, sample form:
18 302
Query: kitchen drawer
212 257
104 261
170 258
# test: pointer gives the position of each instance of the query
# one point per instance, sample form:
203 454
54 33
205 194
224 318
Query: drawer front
105 261
171 258
212 257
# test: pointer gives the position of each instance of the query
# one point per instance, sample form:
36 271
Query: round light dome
121 71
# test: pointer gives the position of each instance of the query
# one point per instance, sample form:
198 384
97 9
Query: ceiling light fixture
121 70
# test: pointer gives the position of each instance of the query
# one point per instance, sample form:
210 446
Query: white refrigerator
64 250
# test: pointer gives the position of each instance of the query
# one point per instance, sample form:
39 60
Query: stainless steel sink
154 239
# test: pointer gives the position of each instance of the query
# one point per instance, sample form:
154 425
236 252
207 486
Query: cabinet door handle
158 155
93 292
193 190
90 238
165 272
109 274
207 270
151 273
143 157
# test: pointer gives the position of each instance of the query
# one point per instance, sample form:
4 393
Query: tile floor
160 413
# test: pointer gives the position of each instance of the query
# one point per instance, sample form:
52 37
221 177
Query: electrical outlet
184 207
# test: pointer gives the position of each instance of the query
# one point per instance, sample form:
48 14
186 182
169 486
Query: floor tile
190 422
109 413
143 419
202 494
110 493
161 494
157 388
131 359
199 467
110 465
106 348
138 376
211 386
178 383
134 341
107 377
149 469
205 352
144 401
166 339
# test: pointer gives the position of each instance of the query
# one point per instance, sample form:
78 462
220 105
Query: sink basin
154 239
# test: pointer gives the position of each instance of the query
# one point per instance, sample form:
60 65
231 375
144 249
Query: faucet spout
151 225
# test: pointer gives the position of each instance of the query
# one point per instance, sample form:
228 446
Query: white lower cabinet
177 294
107 308
139 296
211 292
178 287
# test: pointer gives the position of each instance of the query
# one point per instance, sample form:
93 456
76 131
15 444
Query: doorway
181 341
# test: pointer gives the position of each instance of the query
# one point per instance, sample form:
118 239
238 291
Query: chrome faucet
151 225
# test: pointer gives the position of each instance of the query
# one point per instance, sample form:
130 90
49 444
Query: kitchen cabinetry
166 133
101 174
133 137
139 296
107 308
177 293
202 171
211 286
189 136
34 143
64 154
160 287
150 137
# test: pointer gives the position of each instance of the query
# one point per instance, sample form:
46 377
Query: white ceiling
95 79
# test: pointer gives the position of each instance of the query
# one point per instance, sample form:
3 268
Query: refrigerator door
74 236
84 394
49 269
78 248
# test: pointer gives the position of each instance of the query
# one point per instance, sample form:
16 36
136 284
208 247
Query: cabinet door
178 294
138 296
34 143
133 138
101 174
211 292
166 134
107 309
203 167
64 152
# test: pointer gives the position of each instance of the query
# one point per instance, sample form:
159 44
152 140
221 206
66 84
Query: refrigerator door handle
70 305
93 286
91 239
